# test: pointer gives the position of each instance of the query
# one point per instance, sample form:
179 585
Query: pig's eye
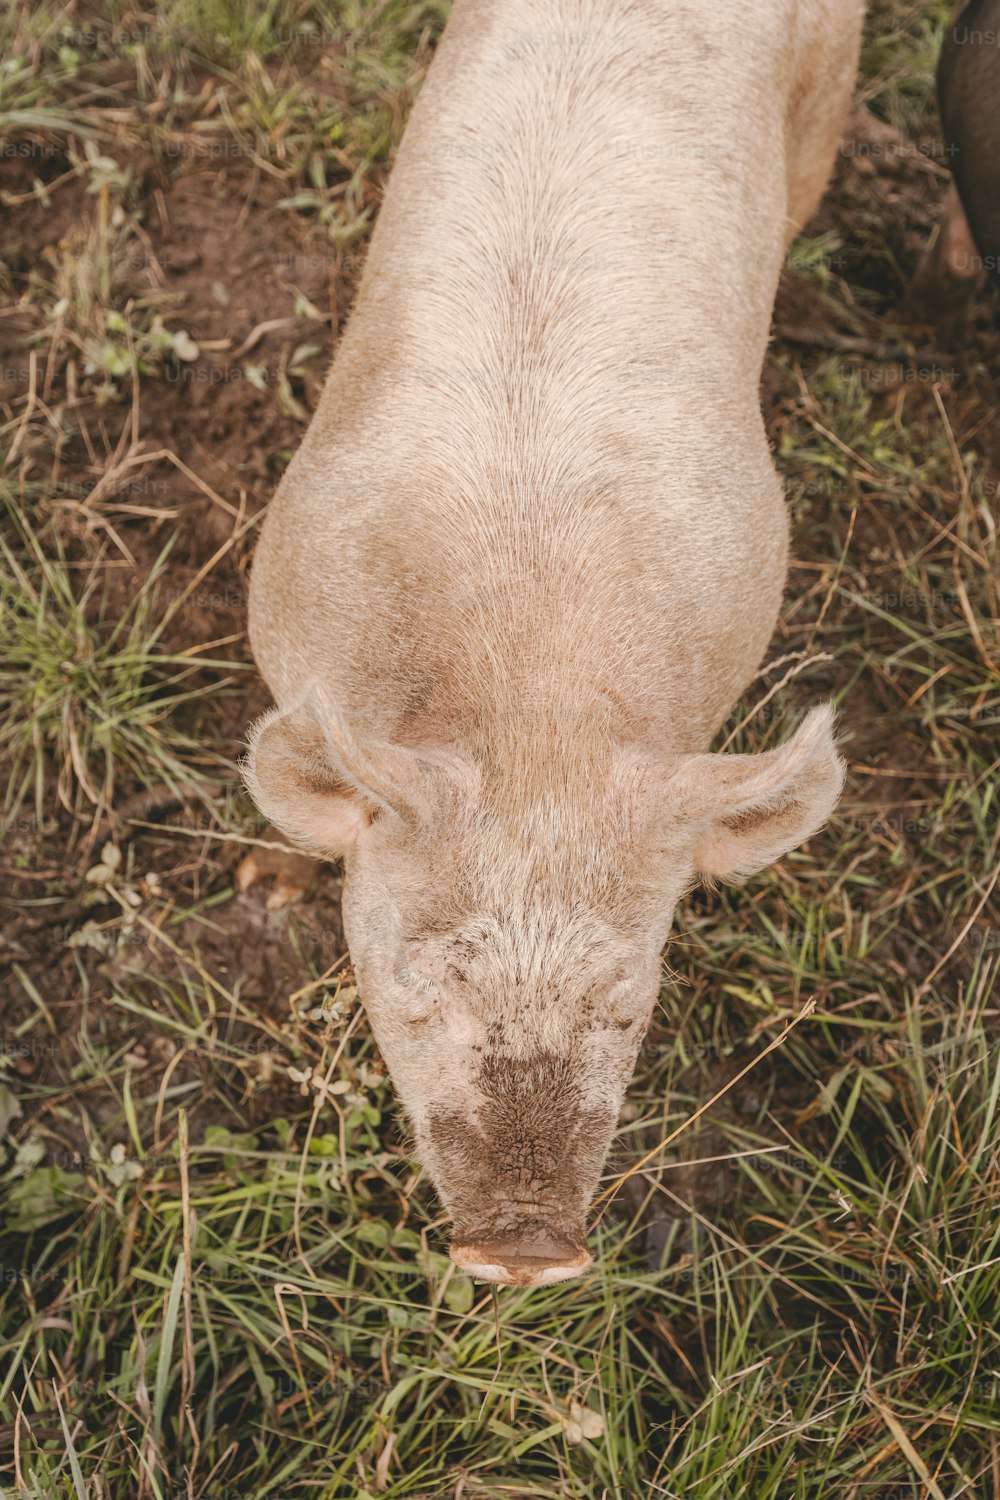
627 1001
409 976
418 1001
418 995
421 982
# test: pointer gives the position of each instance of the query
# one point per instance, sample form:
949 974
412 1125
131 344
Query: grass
221 1271
899 58
89 693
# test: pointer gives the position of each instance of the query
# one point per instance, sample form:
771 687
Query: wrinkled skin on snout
505 918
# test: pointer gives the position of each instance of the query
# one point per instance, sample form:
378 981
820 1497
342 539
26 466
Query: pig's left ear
744 811
322 783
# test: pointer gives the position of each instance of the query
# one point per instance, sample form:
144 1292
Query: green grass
88 698
902 42
221 1271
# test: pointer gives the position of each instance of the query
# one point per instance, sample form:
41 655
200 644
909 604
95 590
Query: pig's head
506 914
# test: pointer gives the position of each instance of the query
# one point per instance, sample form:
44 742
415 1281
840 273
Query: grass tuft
86 692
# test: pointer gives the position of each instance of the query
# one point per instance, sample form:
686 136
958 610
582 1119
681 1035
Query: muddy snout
535 1255
518 1169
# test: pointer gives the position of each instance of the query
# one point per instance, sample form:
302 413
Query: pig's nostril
534 1259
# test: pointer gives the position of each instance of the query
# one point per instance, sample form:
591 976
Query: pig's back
542 424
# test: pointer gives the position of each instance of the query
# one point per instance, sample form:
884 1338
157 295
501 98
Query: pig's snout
537 1256
518 1169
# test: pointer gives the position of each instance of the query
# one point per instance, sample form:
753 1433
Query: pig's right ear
320 784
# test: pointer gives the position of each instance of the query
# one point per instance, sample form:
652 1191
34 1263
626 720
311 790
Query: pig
530 552
967 245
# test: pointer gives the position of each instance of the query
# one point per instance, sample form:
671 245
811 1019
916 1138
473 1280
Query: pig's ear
744 811
321 784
